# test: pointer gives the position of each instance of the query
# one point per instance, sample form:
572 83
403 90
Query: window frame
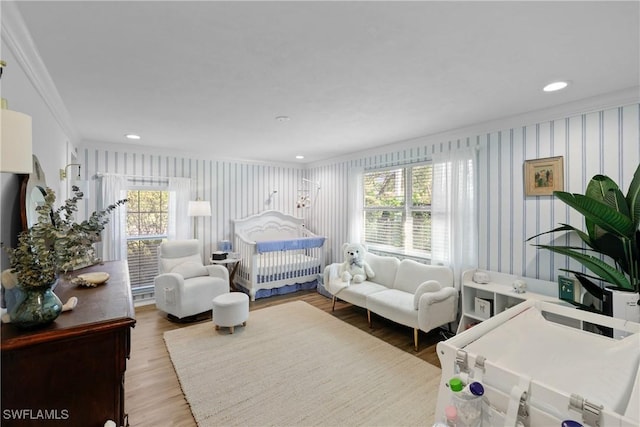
406 211
146 288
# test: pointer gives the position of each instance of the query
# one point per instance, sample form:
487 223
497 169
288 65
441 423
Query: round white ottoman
230 310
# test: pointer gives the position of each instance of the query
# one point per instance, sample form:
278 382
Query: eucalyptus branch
56 243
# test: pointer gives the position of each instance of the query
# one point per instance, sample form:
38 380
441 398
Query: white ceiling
211 77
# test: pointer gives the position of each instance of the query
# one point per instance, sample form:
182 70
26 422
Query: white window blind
147 224
397 209
142 256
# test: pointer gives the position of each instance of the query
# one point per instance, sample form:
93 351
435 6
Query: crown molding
191 156
17 38
628 96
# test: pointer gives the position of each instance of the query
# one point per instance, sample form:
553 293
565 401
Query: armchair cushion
168 264
190 269
425 287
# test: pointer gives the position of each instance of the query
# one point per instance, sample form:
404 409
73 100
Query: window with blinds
397 209
147 219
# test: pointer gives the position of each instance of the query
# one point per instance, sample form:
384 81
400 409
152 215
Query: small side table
232 265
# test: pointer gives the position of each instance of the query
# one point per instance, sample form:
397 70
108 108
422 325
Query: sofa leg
369 319
333 307
415 338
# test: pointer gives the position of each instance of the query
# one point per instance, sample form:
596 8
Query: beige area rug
295 365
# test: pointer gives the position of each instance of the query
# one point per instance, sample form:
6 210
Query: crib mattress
564 358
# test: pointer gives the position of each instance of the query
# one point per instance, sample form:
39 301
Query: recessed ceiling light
132 136
552 87
299 157
283 118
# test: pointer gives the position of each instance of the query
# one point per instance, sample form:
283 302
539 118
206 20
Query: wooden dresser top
105 307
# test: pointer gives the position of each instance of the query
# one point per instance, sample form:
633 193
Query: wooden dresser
71 373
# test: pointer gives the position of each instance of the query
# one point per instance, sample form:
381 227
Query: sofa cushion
394 305
356 293
384 267
411 274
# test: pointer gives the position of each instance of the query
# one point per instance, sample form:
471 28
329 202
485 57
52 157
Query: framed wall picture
543 176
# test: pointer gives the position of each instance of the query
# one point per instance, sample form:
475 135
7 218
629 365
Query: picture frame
543 176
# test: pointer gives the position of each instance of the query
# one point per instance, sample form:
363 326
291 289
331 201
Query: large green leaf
565 227
598 188
599 213
633 198
614 247
596 265
603 189
617 201
583 236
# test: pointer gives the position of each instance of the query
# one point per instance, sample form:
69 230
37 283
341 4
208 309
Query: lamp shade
199 208
15 142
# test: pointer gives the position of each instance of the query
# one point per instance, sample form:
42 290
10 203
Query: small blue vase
36 307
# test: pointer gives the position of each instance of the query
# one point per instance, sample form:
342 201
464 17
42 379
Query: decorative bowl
91 279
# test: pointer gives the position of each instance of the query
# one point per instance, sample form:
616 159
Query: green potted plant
54 245
611 250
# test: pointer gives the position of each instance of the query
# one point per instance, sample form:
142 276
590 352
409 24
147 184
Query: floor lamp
198 208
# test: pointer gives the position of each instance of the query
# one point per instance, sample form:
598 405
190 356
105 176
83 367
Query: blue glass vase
36 307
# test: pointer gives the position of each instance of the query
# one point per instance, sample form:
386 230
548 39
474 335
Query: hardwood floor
153 394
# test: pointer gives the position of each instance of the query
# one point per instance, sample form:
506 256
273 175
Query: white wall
597 141
49 145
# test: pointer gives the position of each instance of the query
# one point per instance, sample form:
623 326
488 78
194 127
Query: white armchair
185 286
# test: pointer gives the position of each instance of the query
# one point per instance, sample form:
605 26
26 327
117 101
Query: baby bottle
468 402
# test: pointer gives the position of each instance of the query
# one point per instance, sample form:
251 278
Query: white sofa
417 295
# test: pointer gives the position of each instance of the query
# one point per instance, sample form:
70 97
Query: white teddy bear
354 266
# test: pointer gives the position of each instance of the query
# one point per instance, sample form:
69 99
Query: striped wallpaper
606 141
235 189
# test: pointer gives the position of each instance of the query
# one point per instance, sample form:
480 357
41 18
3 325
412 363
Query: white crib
278 254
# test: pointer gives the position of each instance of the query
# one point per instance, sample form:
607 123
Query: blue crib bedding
289 244
282 290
